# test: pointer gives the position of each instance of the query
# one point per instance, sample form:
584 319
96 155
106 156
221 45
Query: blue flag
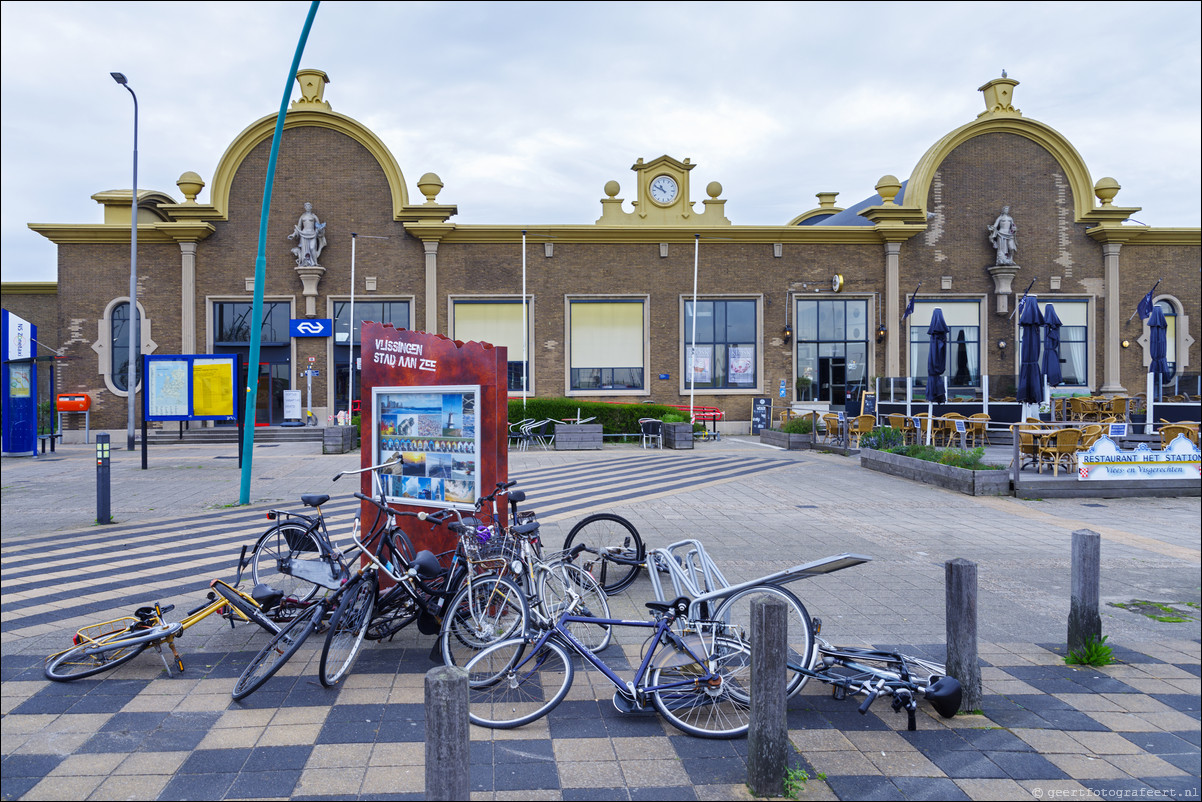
1145 306
909 309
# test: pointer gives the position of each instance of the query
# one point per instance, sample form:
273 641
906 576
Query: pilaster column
1110 269
187 297
431 248
893 338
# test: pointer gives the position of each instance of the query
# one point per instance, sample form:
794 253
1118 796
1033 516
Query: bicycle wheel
279 650
395 610
617 547
347 628
486 610
284 540
108 652
508 685
717 707
564 587
736 610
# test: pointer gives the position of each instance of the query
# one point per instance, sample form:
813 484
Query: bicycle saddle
267 596
427 565
315 499
526 529
944 695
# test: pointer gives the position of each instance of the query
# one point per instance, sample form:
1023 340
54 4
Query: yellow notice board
213 388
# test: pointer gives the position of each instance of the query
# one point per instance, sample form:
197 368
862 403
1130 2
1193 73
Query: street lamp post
133 278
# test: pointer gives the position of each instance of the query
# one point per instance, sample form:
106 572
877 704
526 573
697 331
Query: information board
185 387
868 403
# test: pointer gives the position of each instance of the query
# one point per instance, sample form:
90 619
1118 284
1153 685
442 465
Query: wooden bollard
961 615
768 735
447 734
1084 618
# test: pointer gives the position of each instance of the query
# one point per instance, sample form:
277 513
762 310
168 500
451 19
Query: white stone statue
1003 235
310 234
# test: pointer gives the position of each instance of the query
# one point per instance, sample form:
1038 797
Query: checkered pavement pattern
1044 727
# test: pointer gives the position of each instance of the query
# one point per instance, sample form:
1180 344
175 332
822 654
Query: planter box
678 435
339 439
790 442
577 436
972 483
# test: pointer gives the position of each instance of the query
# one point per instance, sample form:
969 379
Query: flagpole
693 347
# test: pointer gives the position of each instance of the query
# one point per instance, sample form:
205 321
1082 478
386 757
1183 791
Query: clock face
663 189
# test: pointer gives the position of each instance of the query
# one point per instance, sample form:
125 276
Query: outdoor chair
858 427
542 432
904 425
1059 447
978 428
519 438
652 430
1170 432
1090 435
830 424
1028 446
947 428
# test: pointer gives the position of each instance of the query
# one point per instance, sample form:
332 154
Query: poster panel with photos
434 430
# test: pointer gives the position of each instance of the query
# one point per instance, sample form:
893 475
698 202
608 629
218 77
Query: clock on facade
837 282
663 189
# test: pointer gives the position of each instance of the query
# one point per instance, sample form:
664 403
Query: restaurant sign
1105 460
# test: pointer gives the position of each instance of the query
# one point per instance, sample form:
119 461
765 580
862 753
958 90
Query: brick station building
812 307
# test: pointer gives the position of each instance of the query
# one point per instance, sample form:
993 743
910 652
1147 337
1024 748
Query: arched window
119 347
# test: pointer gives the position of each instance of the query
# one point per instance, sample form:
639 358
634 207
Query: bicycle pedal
838 692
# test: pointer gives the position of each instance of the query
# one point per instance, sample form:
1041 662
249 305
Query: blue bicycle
697 674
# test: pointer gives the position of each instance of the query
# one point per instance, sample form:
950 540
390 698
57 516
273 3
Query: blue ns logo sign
316 327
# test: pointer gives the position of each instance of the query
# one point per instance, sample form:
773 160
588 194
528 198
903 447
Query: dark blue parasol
937 358
1158 349
1030 380
1051 347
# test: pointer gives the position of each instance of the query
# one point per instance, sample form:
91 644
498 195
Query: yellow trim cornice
594 234
264 129
1116 233
102 234
30 287
1167 236
1044 135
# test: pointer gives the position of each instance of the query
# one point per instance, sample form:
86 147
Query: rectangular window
499 323
832 348
394 312
963 320
726 355
1074 342
233 323
607 345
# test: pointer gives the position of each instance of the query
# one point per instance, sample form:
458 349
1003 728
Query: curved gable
1045 136
264 129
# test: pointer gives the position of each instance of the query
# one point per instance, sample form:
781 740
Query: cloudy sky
526 109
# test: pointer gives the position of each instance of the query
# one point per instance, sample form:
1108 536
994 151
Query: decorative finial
1004 73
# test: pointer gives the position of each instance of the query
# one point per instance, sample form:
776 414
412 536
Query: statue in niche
310 234
1003 235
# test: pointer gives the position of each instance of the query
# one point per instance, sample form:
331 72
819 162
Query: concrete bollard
962 659
768 735
447 734
1084 618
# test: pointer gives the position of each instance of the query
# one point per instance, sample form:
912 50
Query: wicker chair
1090 435
904 425
978 428
1170 432
859 426
1059 448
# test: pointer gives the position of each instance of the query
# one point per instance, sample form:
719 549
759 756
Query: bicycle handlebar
340 474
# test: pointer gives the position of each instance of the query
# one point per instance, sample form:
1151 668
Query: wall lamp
788 335
1001 344
880 334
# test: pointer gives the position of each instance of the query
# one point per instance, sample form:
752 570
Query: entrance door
832 379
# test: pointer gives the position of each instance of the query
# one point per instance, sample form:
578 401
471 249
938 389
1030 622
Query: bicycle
851 670
551 584
102 647
354 598
617 546
695 673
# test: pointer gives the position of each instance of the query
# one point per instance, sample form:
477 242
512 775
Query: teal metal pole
256 315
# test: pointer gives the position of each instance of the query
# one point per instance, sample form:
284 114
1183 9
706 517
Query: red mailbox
74 402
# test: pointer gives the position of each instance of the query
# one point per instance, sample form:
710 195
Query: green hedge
614 418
